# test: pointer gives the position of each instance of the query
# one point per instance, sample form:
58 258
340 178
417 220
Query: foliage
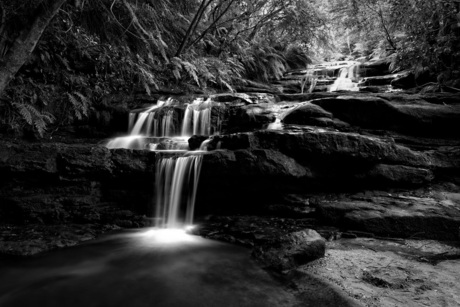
423 35
99 47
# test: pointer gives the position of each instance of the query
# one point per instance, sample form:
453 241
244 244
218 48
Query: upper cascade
347 79
168 124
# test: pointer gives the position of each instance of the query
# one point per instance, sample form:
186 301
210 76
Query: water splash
132 142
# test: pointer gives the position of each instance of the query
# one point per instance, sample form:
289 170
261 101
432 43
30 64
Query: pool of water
141 268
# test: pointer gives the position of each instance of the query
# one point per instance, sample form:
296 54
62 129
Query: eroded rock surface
291 250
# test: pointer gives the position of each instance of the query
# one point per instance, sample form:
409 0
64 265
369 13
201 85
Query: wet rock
303 112
39 159
252 163
382 80
90 161
195 141
393 278
308 96
400 174
413 116
132 162
245 118
291 250
376 68
53 183
307 113
233 98
396 216
317 145
404 81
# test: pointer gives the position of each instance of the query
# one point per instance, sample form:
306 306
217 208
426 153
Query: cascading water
175 190
159 128
163 127
346 78
197 118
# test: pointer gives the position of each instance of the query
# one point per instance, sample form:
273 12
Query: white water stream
176 183
176 177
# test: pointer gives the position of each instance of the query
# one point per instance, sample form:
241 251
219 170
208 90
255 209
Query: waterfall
176 177
175 189
345 79
187 122
197 118
164 127
140 122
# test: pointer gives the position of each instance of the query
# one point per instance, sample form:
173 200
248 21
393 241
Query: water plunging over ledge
164 128
176 183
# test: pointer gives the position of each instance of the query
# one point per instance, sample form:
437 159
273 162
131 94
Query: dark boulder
307 113
195 141
303 112
404 81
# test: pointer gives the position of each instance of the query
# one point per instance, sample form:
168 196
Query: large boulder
303 112
289 251
404 81
307 113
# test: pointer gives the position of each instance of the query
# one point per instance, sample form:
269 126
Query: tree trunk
25 43
191 29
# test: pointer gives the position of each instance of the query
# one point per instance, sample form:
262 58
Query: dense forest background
63 62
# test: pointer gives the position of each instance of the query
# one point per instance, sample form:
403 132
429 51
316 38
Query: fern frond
76 105
84 103
191 70
24 112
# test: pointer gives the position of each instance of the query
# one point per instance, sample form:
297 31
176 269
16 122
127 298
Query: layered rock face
61 183
331 144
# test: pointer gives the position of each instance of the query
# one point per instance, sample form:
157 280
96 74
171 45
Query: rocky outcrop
404 82
303 112
60 183
384 80
289 251
251 169
307 113
396 215
410 115
320 147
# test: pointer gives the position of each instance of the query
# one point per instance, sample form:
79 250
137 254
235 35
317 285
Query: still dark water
141 268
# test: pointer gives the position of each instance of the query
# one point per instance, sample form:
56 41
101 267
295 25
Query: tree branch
25 43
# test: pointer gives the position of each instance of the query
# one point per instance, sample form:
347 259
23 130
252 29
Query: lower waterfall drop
176 183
